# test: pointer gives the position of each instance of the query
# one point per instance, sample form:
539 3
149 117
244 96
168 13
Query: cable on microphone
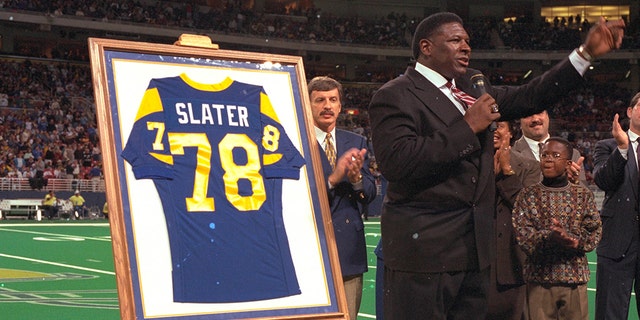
477 80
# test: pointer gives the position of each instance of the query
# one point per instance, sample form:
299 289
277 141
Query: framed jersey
217 201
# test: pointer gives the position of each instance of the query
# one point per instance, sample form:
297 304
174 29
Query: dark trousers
614 281
379 288
50 211
80 210
435 296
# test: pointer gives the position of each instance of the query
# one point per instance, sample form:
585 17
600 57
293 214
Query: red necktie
466 99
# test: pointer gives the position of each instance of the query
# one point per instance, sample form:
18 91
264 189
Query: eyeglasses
554 156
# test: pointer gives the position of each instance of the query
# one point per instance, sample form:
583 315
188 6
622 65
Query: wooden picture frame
143 244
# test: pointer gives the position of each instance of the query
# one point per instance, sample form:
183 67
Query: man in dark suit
435 148
350 184
535 131
616 173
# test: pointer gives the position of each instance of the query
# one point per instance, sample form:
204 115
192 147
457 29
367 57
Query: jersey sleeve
280 158
147 149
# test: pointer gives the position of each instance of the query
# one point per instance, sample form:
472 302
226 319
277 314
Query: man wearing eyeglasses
616 173
535 132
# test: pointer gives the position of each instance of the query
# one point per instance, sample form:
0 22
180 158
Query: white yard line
57 264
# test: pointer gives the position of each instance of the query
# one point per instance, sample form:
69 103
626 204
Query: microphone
477 80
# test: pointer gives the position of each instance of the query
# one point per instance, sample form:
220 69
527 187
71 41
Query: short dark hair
567 145
324 83
634 100
515 130
429 25
624 124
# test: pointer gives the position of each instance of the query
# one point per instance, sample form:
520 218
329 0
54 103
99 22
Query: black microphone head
478 82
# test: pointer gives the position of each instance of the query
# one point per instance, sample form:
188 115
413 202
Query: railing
83 185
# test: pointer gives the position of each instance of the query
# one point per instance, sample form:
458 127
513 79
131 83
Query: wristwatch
584 53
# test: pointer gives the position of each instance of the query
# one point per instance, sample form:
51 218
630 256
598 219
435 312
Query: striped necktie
540 145
462 96
330 150
638 154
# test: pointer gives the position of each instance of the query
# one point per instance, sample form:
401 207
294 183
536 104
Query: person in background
105 210
512 171
616 173
345 163
431 133
78 202
50 205
535 131
556 224
95 174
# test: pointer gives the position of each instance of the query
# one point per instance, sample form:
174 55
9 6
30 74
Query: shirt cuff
358 185
581 64
623 152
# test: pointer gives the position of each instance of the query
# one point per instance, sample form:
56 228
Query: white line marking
57 264
55 234
97 224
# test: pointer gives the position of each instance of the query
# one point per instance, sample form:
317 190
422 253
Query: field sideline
64 270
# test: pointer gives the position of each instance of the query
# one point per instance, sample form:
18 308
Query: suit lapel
342 142
522 147
440 105
432 98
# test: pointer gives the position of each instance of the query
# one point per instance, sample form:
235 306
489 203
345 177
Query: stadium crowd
44 133
48 120
284 21
47 109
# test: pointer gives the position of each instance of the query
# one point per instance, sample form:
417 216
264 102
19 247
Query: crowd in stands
47 115
312 24
44 134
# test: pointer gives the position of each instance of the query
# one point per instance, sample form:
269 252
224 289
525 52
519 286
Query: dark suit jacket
509 258
440 201
618 178
345 207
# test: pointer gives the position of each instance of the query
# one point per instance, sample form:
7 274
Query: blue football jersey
217 155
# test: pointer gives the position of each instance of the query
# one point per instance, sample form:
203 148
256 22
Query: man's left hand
604 37
349 165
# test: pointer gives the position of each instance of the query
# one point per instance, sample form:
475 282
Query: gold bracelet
509 173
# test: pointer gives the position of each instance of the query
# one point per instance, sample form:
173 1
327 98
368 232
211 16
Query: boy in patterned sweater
556 224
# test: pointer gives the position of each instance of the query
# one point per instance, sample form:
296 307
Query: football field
64 270
367 311
60 270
